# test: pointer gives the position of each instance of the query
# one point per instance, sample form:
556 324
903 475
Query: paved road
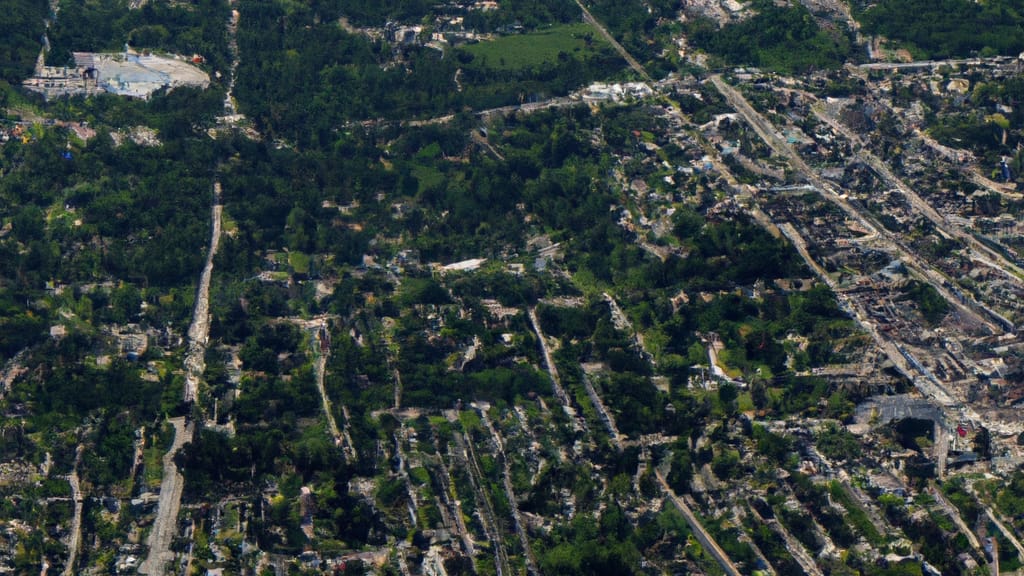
606 416
901 357
75 540
172 483
954 514
455 509
623 323
589 19
556 382
486 144
520 527
795 547
527 107
928 63
1006 532
988 255
705 539
164 527
1004 190
390 352
229 98
997 521
319 368
865 503
790 232
928 388
489 522
766 131
199 330
321 351
941 449
884 239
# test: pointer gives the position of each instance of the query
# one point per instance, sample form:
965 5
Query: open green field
153 469
428 177
528 50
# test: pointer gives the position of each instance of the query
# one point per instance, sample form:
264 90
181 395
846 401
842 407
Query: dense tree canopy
785 38
21 29
948 28
108 25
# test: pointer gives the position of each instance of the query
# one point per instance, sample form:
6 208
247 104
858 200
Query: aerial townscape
512 287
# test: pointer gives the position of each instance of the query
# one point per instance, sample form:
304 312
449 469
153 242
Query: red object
961 431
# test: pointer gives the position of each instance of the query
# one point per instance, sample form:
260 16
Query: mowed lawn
578 41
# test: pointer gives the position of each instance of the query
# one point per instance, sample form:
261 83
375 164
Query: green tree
126 303
982 443
727 395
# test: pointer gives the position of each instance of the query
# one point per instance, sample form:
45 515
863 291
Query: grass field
533 49
153 469
428 177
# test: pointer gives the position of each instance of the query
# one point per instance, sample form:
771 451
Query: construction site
126 73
